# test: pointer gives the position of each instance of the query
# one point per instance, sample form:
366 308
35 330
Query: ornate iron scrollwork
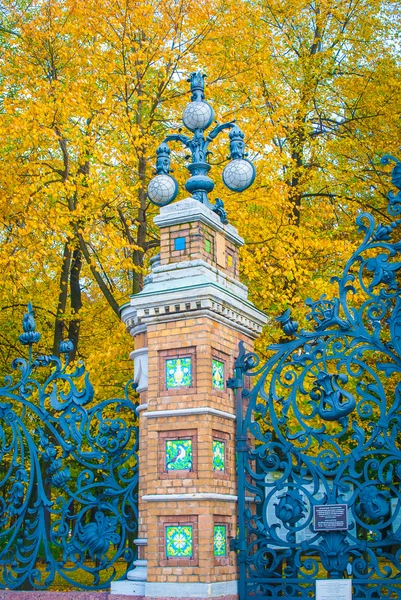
322 426
68 499
335 403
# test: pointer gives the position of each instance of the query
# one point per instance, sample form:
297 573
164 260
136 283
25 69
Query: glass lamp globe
197 115
239 174
162 189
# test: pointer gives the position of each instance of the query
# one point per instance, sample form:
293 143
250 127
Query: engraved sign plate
330 517
333 589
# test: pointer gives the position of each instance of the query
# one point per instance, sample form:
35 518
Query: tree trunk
76 300
62 299
137 280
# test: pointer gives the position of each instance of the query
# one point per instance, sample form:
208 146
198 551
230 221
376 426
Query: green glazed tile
179 542
178 372
219 540
218 374
178 455
218 455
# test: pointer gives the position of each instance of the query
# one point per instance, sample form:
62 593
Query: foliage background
89 89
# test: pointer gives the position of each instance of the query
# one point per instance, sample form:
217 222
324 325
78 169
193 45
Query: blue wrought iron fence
68 475
319 433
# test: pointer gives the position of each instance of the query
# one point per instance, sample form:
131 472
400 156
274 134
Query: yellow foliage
89 89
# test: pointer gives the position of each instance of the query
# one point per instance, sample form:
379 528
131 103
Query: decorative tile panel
219 458
218 374
219 540
178 372
179 243
178 455
179 541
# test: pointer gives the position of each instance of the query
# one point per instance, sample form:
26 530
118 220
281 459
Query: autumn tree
318 84
84 91
88 91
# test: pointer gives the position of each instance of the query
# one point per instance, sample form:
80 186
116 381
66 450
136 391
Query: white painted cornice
184 412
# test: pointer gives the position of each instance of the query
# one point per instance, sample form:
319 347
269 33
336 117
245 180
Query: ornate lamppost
198 115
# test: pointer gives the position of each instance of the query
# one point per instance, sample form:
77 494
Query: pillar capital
198 272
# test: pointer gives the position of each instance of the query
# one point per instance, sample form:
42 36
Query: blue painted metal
69 473
199 185
163 172
322 426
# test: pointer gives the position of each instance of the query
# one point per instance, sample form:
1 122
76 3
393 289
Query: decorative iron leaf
395 326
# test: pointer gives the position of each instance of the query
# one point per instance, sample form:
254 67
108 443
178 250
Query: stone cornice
173 305
184 412
186 497
173 271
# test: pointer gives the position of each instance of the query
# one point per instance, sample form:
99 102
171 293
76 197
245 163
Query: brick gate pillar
187 322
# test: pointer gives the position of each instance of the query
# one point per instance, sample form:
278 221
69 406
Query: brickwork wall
203 339
202 567
201 477
210 339
201 242
195 495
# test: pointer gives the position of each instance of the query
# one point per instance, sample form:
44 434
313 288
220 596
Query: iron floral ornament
198 115
68 491
290 508
322 426
373 502
335 403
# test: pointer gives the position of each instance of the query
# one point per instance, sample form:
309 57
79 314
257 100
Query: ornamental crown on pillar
198 116
187 322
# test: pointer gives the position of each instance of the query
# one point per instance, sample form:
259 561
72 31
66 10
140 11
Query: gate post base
128 588
224 590
227 590
140 571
